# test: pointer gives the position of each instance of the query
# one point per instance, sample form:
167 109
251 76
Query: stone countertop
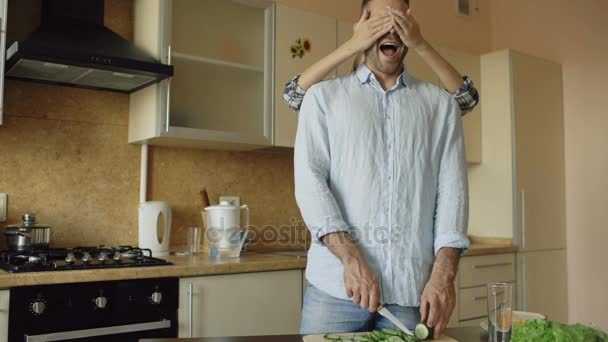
202 265
183 266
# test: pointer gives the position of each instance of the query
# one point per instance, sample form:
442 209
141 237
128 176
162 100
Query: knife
384 312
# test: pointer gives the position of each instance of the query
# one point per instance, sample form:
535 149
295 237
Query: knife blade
386 313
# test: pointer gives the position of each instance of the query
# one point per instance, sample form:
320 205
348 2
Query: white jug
224 229
155 227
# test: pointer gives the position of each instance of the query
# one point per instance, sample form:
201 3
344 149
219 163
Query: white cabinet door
543 283
221 93
293 27
470 65
539 152
417 67
3 7
4 299
261 303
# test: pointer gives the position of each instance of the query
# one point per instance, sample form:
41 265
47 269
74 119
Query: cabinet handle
167 110
480 298
524 284
523 219
492 265
190 306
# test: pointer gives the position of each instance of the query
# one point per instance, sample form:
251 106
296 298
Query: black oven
118 311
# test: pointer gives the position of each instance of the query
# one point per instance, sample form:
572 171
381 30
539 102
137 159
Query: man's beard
372 57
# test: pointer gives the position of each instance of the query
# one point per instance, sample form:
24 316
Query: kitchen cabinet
522 179
221 93
417 67
3 9
468 64
249 304
543 283
475 272
4 306
293 25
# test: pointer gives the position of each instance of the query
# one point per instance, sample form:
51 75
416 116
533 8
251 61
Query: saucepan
28 235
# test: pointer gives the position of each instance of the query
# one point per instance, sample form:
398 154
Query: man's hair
365 2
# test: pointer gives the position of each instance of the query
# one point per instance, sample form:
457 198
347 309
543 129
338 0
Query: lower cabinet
4 298
543 285
249 304
475 273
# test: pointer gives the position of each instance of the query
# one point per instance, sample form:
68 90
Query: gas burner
79 258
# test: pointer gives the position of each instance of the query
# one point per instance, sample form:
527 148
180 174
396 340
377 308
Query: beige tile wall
64 156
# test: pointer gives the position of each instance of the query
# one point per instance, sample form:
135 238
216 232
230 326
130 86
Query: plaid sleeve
293 94
467 96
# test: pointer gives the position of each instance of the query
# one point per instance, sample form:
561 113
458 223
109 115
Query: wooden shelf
213 61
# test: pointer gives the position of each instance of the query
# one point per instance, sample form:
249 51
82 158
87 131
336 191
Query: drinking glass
500 297
194 240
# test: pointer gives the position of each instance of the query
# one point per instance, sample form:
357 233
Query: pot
28 235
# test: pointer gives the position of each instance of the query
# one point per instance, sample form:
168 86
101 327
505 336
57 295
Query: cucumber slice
422 332
390 332
330 337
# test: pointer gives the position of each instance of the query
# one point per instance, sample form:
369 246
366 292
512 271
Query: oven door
117 311
129 332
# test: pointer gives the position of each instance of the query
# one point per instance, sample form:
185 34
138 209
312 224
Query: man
381 182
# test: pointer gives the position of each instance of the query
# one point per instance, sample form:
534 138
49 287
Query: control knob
38 307
101 302
156 297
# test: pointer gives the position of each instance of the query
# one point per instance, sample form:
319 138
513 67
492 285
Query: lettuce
549 331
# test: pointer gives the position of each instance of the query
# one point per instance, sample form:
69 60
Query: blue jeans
323 314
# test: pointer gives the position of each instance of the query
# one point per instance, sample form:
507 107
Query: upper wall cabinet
469 65
221 93
3 7
302 38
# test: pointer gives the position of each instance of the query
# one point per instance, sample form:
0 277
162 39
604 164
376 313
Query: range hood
73 47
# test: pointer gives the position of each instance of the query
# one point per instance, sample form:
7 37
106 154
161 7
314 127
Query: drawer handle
475 299
491 265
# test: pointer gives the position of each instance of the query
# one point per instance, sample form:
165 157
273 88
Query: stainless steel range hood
73 47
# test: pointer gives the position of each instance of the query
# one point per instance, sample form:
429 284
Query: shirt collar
365 74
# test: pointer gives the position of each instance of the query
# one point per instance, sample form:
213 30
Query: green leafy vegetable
549 331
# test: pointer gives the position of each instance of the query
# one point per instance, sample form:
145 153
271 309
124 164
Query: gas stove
79 258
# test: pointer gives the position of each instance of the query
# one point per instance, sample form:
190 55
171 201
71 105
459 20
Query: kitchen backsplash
64 156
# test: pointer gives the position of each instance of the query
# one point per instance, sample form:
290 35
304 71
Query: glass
194 240
500 297
219 53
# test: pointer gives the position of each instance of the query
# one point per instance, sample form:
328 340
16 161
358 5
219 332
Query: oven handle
119 329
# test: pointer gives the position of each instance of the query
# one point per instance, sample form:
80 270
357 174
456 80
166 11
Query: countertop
201 265
183 266
459 334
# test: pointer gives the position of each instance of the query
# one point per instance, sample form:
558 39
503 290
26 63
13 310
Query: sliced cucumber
390 332
422 331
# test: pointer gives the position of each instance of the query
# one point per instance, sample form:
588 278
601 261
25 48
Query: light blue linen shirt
387 166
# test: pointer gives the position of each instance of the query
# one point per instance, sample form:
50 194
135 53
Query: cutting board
319 338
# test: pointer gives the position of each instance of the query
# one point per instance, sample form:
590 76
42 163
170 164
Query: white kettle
155 227
224 233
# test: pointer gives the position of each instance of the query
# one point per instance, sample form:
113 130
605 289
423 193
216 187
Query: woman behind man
366 32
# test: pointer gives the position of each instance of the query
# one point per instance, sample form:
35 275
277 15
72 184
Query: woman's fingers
381 32
364 16
376 22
